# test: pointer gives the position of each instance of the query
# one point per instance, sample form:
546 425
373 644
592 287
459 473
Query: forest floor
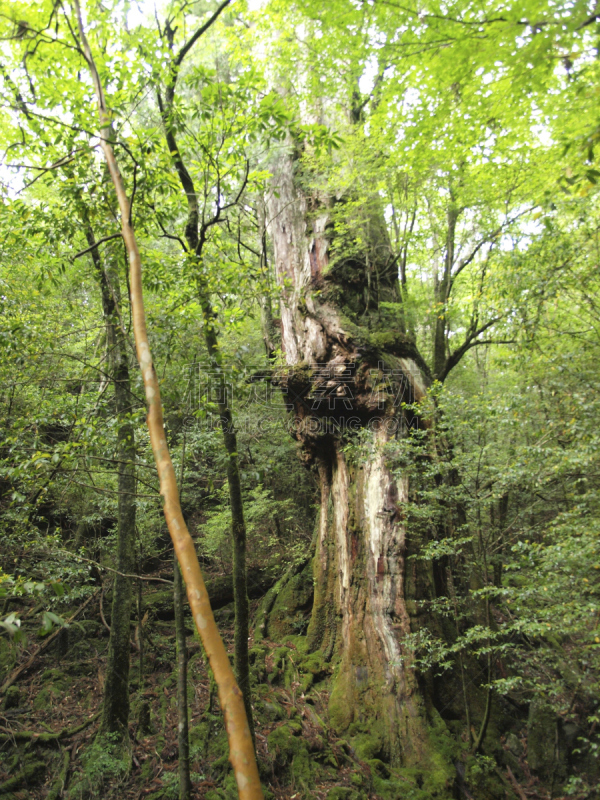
63 690
299 756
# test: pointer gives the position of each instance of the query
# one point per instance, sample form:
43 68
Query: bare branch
201 30
96 244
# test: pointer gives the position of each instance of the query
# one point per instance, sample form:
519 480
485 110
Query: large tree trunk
349 367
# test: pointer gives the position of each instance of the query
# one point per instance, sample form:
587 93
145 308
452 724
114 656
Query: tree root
60 783
29 772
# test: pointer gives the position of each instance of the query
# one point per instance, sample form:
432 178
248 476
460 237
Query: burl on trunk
350 367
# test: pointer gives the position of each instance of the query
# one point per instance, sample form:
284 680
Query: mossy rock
291 752
12 698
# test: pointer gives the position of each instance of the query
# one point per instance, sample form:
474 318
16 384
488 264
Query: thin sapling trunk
241 752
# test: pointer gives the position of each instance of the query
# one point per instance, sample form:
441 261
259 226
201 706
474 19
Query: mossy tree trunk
115 709
183 739
350 366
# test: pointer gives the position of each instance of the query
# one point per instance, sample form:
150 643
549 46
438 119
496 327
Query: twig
115 571
102 617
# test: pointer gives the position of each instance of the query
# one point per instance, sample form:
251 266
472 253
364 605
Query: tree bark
183 739
350 366
195 238
115 709
241 745
441 297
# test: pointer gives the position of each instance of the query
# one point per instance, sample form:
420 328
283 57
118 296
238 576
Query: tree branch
96 244
201 30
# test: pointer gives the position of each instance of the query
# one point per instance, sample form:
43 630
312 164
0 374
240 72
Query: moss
291 752
7 658
106 762
541 737
368 746
12 698
342 793
290 609
341 711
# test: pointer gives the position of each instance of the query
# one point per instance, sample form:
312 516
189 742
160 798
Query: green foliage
453 145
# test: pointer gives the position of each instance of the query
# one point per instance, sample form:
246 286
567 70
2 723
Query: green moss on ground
290 753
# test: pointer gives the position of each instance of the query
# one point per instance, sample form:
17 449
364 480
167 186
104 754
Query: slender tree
183 738
115 710
197 228
232 703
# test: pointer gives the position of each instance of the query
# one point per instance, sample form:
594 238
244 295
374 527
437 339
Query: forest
299 399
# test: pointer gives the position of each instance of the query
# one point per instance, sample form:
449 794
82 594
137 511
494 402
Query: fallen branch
515 785
44 646
45 738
